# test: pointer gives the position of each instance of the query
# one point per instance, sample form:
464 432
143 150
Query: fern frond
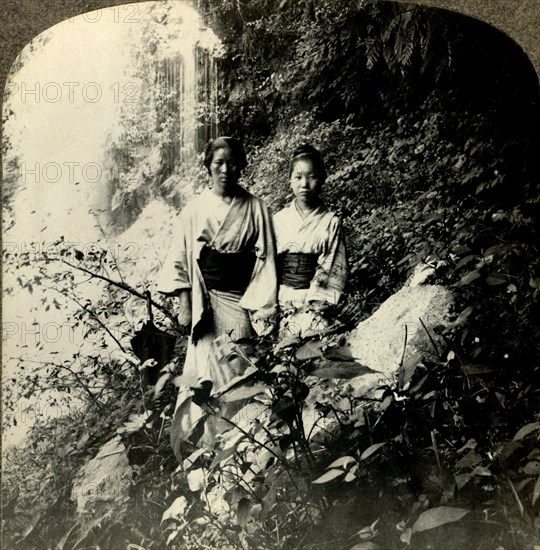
406 54
373 52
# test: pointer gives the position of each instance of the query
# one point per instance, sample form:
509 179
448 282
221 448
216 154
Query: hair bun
305 149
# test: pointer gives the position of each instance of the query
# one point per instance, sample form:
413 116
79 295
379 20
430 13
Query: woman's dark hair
236 147
308 152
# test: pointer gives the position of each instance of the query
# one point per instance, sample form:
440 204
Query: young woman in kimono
222 269
312 261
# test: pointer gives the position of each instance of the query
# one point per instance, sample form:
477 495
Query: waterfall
186 73
208 96
179 100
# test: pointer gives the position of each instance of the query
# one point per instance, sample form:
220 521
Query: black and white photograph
271 275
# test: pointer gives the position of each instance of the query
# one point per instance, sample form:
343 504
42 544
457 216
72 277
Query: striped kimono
320 237
208 223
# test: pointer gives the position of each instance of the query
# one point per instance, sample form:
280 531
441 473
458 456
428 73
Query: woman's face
224 169
305 182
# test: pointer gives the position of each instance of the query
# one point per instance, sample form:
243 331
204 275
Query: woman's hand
184 309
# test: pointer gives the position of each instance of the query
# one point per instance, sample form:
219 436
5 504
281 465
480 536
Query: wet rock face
104 480
398 331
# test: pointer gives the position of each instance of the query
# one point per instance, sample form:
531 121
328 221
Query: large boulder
403 330
104 480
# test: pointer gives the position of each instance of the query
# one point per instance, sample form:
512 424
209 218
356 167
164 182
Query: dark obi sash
296 269
226 271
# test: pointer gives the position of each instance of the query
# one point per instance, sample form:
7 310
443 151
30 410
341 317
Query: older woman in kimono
221 267
311 250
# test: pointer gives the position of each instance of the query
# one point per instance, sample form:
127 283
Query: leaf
405 537
237 381
278 369
310 350
134 423
370 450
243 392
469 278
464 261
287 342
339 353
472 458
494 280
329 476
532 468
32 524
460 249
341 369
242 512
367 545
190 460
475 370
463 316
534 283
160 384
471 444
405 259
176 510
187 421
481 471
463 479
342 462
83 440
406 371
536 492
367 533
195 479
437 517
526 430
223 455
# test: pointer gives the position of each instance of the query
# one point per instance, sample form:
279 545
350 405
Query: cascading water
208 96
177 74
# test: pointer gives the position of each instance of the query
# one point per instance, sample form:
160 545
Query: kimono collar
208 194
319 210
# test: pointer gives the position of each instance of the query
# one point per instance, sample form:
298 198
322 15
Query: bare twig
82 384
404 346
91 313
436 450
129 289
433 343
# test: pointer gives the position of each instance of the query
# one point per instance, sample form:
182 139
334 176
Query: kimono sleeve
260 297
331 274
175 275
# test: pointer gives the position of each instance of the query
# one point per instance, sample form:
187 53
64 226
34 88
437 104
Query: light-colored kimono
319 233
244 224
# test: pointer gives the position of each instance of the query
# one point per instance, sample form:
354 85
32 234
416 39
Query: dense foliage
429 125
